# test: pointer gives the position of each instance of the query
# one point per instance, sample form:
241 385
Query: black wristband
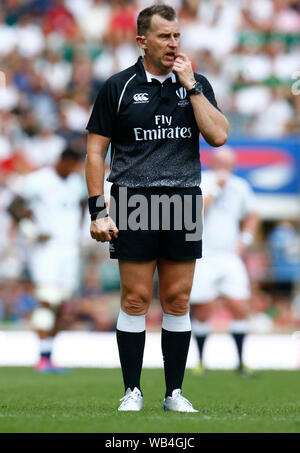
96 203
99 215
97 207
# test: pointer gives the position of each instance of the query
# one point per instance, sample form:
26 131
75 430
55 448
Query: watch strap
196 89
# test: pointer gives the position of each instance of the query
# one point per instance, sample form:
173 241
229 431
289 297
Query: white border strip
99 350
124 89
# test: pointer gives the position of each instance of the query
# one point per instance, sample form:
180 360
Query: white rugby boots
178 403
132 400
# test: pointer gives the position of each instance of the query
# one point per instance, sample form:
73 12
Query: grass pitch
86 401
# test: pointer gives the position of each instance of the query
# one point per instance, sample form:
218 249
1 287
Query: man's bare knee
201 311
240 314
238 308
135 305
177 305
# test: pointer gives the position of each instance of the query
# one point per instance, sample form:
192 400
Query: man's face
69 166
162 43
223 159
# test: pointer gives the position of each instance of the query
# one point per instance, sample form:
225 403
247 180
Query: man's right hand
100 229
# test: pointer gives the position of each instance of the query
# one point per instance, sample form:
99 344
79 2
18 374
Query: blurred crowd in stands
54 57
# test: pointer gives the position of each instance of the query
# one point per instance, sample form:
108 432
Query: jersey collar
142 76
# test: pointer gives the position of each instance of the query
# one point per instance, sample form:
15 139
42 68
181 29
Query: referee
152 114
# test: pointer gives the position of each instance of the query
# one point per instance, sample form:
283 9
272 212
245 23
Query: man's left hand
183 68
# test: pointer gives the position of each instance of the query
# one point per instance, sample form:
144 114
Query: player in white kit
230 223
49 212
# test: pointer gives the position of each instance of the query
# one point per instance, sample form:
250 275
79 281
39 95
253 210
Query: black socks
131 351
200 342
239 340
175 346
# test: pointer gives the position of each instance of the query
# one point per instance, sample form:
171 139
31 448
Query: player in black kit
152 114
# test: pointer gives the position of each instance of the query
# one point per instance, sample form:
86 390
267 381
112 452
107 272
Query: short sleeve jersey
55 203
153 130
222 218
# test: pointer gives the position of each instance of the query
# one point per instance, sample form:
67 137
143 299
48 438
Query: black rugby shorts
149 229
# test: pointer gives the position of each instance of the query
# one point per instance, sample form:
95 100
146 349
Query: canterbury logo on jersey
141 98
181 93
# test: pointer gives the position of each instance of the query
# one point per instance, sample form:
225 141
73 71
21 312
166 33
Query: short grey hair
145 16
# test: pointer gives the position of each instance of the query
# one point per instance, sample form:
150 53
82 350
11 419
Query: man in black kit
152 114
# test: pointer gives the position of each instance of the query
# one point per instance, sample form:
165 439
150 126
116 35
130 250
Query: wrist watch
196 89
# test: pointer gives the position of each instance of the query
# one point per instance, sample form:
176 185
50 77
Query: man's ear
142 42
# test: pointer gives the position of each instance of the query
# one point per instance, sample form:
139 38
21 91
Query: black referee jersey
153 130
